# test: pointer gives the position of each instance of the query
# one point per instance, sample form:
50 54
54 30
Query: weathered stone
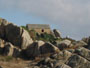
8 49
18 36
26 39
63 66
48 48
67 42
76 61
2 43
57 33
64 44
39 48
1 51
33 50
52 63
64 55
71 50
14 34
87 40
46 62
1 67
79 43
16 52
83 52
3 23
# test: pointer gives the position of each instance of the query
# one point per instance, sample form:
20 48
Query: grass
6 58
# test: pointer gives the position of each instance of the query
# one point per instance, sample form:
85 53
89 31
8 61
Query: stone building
39 28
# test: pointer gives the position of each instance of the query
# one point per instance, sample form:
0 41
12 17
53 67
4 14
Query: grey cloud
72 15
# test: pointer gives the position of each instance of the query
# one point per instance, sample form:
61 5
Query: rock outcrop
3 23
16 42
83 52
57 33
63 66
50 63
33 50
79 43
39 48
76 61
14 34
48 48
2 42
10 50
64 44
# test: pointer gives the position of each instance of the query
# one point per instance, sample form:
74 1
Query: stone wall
43 31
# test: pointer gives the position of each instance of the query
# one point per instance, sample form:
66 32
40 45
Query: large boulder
2 42
14 34
16 52
83 52
63 56
50 63
67 42
63 66
10 50
18 36
33 49
40 48
3 23
79 43
1 67
48 48
87 40
66 55
57 33
64 44
76 61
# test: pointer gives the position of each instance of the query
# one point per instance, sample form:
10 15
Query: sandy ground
14 63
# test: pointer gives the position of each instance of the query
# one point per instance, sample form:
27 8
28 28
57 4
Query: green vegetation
24 27
33 34
44 36
6 58
0 23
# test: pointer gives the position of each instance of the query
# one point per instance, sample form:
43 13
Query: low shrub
24 27
46 37
8 58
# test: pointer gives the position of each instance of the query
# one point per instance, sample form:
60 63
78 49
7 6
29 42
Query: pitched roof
38 26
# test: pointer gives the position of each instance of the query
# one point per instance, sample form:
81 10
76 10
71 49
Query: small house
39 28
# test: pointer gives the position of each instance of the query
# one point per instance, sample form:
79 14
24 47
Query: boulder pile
16 42
14 34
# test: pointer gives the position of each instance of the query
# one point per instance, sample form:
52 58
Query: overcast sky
71 17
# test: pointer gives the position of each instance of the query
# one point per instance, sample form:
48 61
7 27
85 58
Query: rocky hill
17 46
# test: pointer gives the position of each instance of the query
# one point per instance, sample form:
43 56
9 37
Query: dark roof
38 26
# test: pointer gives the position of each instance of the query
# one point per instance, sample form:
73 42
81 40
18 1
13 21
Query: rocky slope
16 42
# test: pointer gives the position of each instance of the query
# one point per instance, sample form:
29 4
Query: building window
42 30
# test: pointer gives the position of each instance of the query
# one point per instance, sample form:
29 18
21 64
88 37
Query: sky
70 17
